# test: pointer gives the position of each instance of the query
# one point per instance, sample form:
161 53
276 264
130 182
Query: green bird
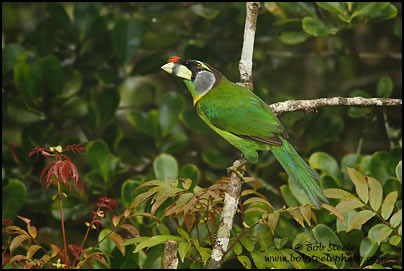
244 120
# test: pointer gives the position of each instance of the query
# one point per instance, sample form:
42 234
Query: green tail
303 175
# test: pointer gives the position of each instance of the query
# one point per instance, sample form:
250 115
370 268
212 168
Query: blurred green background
89 73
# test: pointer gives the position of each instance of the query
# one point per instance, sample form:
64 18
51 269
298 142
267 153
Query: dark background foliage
89 73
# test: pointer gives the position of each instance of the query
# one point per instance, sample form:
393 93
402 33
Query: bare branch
226 219
170 259
245 64
313 105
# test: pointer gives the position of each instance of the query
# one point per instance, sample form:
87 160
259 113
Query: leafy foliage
89 74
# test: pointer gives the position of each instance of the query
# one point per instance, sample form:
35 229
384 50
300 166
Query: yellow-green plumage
245 121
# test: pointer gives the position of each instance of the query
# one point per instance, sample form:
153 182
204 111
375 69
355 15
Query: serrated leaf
375 193
361 186
359 219
388 204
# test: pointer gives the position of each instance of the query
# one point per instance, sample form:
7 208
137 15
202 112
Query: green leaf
395 240
193 122
280 242
12 54
72 84
367 8
399 171
205 11
293 38
388 204
156 240
184 234
375 193
99 157
359 219
74 108
58 13
317 28
237 248
347 218
150 64
396 219
385 87
170 106
183 249
274 257
107 104
259 259
325 235
361 186
216 158
379 233
367 249
85 14
288 196
52 74
326 163
334 7
381 166
247 242
245 261
127 191
348 205
126 38
205 253
335 193
190 171
165 167
28 80
13 198
147 123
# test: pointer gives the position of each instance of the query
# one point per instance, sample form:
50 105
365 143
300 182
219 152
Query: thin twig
313 105
245 64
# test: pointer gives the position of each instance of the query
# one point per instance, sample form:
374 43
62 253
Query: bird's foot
236 169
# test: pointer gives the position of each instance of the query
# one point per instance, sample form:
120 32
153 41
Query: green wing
237 110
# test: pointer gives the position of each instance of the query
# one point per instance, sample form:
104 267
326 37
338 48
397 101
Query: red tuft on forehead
174 59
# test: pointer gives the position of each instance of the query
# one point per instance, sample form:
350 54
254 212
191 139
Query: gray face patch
204 81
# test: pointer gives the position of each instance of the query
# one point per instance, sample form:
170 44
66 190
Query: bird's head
199 77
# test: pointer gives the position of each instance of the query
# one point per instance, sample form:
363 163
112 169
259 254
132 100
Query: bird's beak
178 70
